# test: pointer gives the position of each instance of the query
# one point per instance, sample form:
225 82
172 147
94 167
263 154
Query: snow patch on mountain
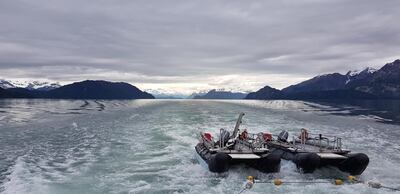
165 94
6 84
359 74
30 85
367 70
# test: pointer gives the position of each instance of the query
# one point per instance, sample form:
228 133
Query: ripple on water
148 146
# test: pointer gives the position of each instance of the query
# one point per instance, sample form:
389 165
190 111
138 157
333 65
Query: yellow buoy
352 179
338 182
277 182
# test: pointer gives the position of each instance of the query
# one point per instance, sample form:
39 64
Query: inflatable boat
312 151
240 147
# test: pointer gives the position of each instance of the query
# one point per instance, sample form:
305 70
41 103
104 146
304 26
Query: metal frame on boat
263 152
311 151
245 148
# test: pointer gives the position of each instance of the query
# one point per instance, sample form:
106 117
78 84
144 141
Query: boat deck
306 148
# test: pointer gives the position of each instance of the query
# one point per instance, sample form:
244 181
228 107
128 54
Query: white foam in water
374 117
75 125
21 181
148 147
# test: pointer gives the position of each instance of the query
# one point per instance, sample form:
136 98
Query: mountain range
366 84
220 94
33 85
164 94
89 89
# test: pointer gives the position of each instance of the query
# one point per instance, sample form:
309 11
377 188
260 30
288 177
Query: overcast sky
186 45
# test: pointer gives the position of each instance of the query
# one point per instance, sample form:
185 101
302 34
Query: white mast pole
238 122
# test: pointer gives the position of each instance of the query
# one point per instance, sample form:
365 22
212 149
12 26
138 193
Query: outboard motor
224 136
283 136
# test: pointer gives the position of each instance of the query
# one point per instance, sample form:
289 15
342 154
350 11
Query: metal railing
319 140
253 141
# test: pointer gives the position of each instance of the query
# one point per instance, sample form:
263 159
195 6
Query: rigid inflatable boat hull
220 162
308 162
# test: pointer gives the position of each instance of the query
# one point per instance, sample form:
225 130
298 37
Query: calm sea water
147 146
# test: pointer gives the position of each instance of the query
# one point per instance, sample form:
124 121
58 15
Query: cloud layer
189 45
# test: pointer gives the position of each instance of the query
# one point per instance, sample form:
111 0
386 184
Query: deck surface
244 156
303 147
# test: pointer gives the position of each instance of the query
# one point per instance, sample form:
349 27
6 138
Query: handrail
319 140
252 139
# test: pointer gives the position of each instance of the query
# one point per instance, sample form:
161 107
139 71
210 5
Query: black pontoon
246 148
312 151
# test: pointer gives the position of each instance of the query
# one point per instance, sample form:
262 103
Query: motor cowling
283 136
224 136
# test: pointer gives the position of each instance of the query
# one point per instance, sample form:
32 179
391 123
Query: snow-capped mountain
221 94
332 81
365 84
199 93
6 84
367 70
30 85
164 94
359 74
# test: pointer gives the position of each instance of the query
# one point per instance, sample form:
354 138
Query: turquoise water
147 146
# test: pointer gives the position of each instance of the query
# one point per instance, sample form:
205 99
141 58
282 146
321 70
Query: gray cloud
194 42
